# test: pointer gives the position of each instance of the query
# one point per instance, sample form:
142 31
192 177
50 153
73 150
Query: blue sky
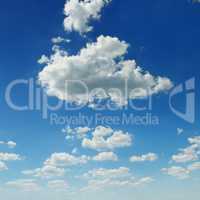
56 161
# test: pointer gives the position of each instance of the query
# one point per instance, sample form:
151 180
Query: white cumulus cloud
103 178
176 171
190 153
101 69
108 173
10 157
105 156
46 171
9 144
80 13
146 157
65 160
79 132
99 184
105 138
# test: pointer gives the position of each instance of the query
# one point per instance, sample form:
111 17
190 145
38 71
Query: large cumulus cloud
100 64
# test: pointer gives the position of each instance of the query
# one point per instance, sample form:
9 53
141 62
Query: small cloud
3 166
58 40
146 157
58 185
194 166
105 156
108 173
46 171
105 138
10 144
111 178
178 172
65 160
43 60
80 13
190 153
10 157
24 184
195 1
